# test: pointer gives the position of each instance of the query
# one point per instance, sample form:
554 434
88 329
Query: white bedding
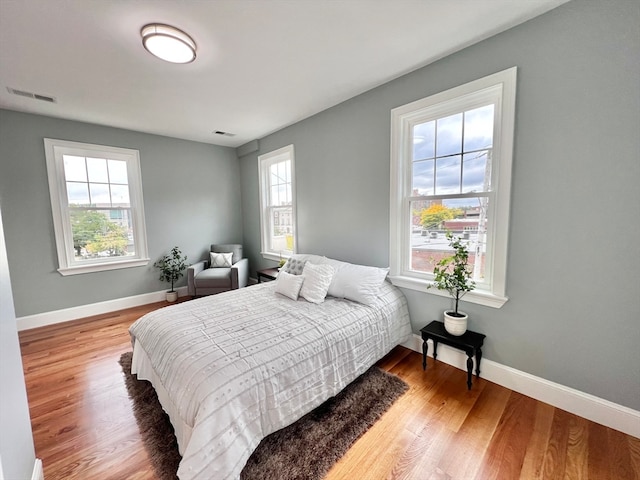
232 368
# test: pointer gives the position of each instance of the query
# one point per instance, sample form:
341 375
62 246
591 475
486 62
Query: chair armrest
240 273
192 271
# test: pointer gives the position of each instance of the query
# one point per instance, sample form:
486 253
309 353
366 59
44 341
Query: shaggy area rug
305 450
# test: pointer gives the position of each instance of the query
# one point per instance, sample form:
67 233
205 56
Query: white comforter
232 368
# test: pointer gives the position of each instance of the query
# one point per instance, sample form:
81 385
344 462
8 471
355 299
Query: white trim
596 409
264 183
54 155
38 472
82 311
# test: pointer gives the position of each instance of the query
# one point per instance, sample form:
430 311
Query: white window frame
501 86
54 152
264 163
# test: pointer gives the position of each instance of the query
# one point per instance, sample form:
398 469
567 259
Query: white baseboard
38 472
588 406
74 313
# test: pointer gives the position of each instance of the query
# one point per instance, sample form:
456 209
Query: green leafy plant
171 266
453 273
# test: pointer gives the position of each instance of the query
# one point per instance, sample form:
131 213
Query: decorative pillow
317 279
289 285
358 283
221 260
293 266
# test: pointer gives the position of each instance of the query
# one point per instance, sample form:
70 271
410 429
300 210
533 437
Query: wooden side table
267 273
470 342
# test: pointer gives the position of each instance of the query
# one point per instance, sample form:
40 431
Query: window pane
422 183
274 174
77 193
424 140
275 199
476 172
279 173
100 195
478 128
281 238
464 217
287 171
101 234
97 168
449 131
448 175
288 196
282 194
74 169
120 196
118 172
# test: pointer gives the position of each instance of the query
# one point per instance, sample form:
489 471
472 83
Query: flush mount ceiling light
168 43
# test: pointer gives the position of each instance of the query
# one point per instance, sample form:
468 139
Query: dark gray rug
305 450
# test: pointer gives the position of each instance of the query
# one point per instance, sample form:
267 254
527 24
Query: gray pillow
294 266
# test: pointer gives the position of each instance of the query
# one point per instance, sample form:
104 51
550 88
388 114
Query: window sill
276 257
480 297
101 267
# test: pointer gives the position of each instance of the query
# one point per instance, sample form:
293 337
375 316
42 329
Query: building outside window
277 203
451 172
97 206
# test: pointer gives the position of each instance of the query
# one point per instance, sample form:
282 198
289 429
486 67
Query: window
451 157
277 203
96 201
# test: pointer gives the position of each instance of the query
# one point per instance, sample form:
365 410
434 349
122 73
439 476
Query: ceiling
261 64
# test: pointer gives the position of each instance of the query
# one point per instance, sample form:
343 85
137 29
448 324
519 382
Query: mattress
232 368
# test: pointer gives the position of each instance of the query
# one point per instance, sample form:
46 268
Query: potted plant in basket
454 274
171 267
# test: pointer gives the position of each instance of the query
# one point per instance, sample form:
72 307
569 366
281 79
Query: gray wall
191 199
17 454
573 274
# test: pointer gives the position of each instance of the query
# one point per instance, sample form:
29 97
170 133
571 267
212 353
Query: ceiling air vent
225 134
35 96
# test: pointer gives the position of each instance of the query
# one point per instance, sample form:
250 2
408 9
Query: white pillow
317 279
220 260
289 285
358 283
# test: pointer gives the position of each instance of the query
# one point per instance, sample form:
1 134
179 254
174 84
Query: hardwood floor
84 428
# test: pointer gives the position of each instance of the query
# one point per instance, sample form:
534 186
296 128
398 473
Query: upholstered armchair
225 270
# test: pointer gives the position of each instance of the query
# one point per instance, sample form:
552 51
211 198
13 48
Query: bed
232 368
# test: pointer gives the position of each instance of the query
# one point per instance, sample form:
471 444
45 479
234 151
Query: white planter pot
172 296
455 326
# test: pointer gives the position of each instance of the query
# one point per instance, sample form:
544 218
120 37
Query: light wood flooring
84 428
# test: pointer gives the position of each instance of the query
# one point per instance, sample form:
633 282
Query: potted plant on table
455 275
171 267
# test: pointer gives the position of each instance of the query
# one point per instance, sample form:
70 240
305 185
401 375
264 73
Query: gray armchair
203 280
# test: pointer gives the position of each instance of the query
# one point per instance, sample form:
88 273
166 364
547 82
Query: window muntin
96 198
277 203
451 170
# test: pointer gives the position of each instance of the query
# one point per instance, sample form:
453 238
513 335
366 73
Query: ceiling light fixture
168 43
